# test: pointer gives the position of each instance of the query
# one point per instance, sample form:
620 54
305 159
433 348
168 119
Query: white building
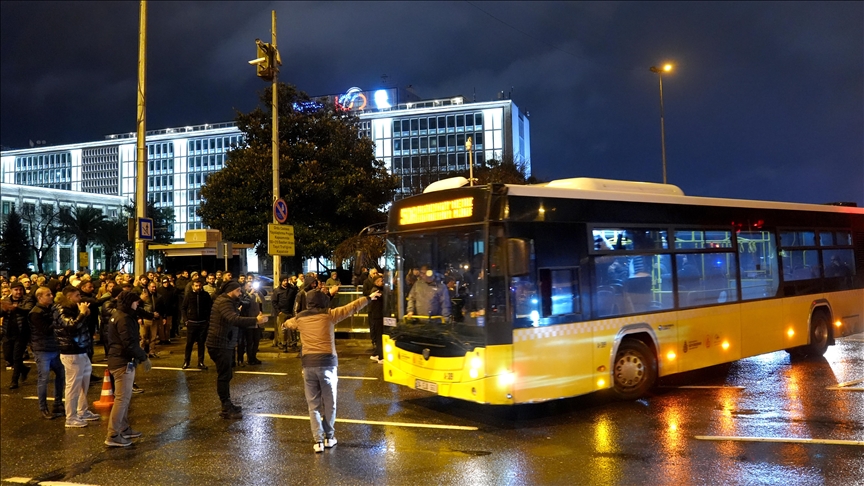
411 138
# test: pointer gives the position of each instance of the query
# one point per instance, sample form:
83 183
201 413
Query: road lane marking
708 387
373 422
850 383
18 480
790 440
174 369
357 378
845 388
260 373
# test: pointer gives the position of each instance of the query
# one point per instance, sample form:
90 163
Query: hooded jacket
224 318
316 325
123 339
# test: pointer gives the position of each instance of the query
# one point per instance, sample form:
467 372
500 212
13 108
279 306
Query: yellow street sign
280 239
83 259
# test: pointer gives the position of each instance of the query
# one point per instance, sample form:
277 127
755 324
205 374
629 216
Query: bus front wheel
635 370
819 334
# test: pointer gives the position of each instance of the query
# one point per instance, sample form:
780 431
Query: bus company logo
439 211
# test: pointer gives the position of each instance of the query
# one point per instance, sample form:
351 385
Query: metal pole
468 145
141 166
277 260
662 129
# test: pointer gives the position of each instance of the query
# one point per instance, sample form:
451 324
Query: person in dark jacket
47 351
124 353
251 304
15 308
283 303
73 337
88 296
225 325
376 318
195 312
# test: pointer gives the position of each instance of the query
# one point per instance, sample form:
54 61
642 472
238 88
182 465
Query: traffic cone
106 400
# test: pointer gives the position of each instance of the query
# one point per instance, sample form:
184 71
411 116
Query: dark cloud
766 102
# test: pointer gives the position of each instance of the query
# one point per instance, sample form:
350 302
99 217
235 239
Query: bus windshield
439 286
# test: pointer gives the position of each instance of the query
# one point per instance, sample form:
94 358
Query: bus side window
559 291
757 252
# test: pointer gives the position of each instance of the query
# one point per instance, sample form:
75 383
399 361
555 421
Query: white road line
790 440
18 480
373 422
260 373
845 388
708 387
63 483
850 383
174 369
357 378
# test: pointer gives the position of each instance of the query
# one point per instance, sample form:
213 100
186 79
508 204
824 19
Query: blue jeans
46 362
320 387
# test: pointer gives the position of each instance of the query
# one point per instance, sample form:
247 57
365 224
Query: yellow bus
578 285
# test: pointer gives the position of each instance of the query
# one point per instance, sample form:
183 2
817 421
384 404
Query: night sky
766 100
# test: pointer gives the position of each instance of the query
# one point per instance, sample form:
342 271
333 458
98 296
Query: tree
14 254
329 177
82 223
43 230
114 236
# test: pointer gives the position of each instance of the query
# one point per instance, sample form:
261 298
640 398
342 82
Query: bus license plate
427 386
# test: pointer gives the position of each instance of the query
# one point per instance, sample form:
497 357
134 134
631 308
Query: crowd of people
60 318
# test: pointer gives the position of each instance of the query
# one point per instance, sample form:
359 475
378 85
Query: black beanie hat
230 286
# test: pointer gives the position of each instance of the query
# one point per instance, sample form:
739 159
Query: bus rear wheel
634 371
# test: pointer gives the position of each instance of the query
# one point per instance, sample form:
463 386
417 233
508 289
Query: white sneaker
328 443
374 358
75 423
318 447
89 416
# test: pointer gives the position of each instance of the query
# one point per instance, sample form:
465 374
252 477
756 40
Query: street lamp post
470 162
660 71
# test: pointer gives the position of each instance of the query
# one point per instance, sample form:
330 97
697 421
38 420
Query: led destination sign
439 211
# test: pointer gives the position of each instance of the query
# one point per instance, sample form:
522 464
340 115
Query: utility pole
141 166
277 260
267 64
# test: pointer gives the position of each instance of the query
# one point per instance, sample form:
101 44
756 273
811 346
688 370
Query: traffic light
266 60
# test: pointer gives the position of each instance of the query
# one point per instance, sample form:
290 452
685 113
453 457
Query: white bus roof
614 190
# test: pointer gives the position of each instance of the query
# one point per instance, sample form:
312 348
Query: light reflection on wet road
586 440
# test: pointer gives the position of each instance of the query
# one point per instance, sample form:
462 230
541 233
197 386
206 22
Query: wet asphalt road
668 438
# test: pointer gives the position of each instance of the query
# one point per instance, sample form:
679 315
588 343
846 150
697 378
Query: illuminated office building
413 138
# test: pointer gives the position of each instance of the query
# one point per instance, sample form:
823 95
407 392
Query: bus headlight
476 363
473 373
388 348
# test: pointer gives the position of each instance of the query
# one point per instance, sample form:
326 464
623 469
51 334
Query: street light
666 68
470 162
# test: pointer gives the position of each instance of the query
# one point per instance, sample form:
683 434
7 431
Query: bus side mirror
519 256
359 262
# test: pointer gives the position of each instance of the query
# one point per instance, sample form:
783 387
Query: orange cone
106 400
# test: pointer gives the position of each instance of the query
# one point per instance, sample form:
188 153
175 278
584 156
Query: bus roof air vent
444 184
608 185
